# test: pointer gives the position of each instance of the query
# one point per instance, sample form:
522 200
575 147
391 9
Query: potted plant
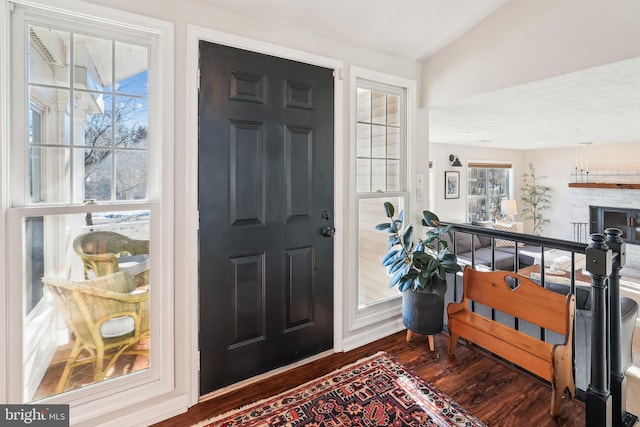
536 198
419 269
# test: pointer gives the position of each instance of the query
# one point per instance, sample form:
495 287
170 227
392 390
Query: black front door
265 193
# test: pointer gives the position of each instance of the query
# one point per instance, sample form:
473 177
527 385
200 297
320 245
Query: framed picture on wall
451 185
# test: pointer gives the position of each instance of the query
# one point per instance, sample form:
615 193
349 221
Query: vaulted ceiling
599 105
410 29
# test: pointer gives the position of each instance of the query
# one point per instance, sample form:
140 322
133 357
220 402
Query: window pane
393 143
50 175
393 110
494 208
132 63
98 168
373 244
378 141
363 140
477 210
378 175
393 175
48 56
93 58
131 122
96 115
364 106
363 176
379 107
66 250
131 175
54 108
35 126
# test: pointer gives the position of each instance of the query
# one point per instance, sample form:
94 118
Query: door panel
265 195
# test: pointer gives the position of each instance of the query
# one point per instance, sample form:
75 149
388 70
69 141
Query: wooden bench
522 298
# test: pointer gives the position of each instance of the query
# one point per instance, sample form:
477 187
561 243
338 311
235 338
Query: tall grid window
86 152
488 185
381 176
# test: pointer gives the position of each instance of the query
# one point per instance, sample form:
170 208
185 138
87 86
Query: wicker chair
106 252
108 317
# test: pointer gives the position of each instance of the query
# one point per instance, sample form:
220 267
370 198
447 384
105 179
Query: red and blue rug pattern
374 391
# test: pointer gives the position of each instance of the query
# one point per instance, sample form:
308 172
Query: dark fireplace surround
625 219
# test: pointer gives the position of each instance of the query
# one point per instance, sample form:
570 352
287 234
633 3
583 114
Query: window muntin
380 176
488 185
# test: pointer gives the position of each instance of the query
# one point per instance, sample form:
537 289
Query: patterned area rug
374 391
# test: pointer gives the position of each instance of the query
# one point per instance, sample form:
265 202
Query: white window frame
156 384
358 318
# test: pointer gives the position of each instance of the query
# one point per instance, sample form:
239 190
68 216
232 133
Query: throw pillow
502 243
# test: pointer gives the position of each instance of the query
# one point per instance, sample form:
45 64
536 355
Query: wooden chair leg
75 351
430 337
453 340
562 378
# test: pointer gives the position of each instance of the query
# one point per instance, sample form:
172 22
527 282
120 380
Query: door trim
190 214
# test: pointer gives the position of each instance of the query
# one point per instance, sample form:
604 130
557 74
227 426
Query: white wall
199 13
558 165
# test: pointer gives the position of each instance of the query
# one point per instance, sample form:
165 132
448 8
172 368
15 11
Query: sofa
582 331
504 250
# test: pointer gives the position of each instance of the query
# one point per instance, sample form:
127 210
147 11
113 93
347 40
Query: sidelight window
381 123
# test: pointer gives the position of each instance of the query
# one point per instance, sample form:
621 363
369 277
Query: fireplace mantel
622 186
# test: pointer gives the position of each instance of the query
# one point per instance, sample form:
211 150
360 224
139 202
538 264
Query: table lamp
509 209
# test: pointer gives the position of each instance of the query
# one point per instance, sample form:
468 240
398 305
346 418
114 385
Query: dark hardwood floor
496 393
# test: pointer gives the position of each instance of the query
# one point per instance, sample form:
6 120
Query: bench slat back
528 301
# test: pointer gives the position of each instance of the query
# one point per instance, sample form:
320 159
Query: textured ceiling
599 105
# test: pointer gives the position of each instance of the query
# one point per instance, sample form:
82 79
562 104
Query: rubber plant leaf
396 265
389 209
384 226
407 236
389 258
430 219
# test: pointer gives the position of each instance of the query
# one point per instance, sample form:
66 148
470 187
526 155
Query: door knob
328 231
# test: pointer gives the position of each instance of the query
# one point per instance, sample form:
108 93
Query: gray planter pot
423 313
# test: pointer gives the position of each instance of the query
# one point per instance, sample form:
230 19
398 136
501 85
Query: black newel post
618 380
598 402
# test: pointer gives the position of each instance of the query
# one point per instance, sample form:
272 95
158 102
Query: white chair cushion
117 327
135 264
